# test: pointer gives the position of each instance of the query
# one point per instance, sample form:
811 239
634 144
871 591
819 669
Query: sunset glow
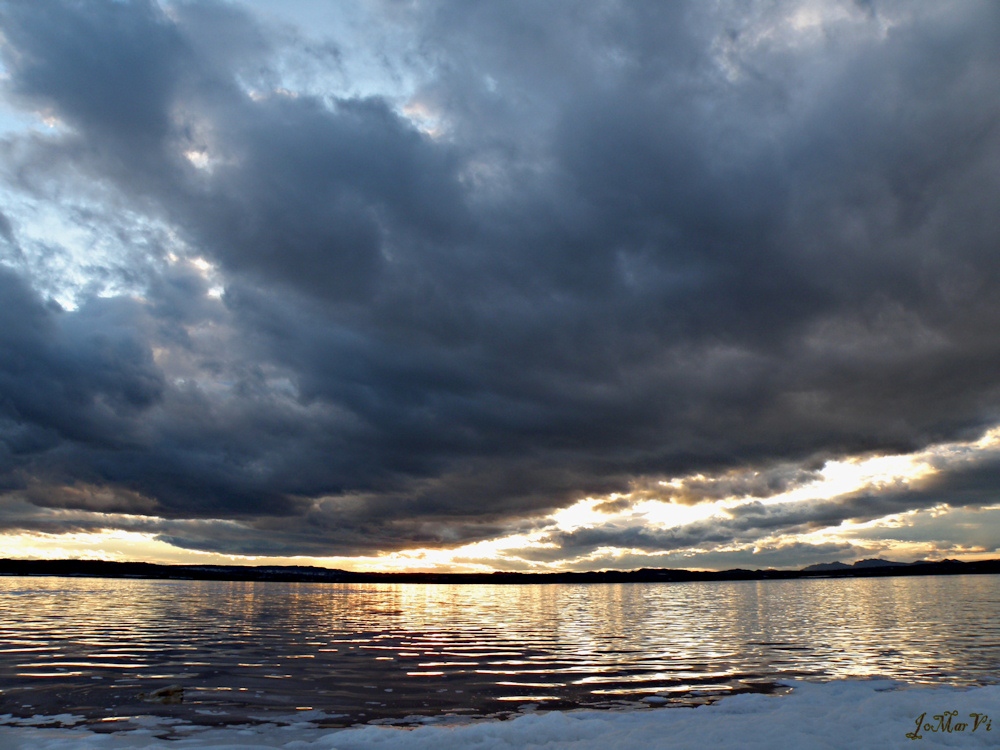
388 286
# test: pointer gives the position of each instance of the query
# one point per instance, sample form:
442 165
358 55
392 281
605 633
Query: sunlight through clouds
456 286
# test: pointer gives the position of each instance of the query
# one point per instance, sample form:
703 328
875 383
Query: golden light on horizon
836 478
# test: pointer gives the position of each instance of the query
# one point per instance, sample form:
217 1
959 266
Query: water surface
249 651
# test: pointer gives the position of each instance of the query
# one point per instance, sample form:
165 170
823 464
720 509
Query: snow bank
848 714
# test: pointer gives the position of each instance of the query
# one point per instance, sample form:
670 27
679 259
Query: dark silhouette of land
105 569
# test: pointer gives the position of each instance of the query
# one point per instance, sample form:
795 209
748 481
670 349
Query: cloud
565 252
78 378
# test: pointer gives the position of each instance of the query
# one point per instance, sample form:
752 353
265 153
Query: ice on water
841 714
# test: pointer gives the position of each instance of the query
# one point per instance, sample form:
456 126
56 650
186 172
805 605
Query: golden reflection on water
383 648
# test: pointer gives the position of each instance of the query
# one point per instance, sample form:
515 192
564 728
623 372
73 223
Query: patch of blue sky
342 51
73 248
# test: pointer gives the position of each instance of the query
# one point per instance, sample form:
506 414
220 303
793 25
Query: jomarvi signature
947 723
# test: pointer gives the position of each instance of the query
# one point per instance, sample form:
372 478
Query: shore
857 714
308 574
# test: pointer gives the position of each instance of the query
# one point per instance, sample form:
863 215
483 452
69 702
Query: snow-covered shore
843 714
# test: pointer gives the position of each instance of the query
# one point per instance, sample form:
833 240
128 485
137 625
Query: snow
843 714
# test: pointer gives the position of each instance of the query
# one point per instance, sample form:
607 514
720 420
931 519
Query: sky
469 286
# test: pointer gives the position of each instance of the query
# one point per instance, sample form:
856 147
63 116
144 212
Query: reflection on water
92 646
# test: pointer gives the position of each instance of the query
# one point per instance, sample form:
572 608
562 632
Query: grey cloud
110 66
966 527
7 231
967 487
80 378
19 514
620 260
761 481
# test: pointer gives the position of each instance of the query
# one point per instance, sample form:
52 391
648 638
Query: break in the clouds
286 281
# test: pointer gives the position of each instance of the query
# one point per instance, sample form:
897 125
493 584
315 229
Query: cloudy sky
407 284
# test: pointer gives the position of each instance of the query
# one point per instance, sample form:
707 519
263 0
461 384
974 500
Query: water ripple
244 650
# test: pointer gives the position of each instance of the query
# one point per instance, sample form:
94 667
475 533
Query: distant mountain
824 567
837 565
876 563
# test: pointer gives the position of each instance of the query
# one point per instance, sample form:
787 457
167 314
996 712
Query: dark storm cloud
79 380
647 240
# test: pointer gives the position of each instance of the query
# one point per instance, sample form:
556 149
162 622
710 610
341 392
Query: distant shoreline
309 574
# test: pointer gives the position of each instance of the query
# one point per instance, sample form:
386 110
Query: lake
344 653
